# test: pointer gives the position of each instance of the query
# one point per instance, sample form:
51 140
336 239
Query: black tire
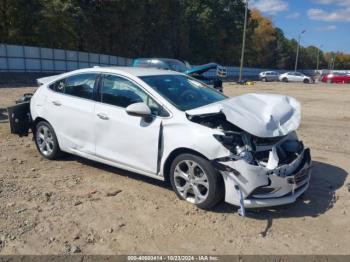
54 151
216 189
285 79
306 81
264 79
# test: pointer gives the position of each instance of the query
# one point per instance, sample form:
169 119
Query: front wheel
306 81
195 180
285 79
46 141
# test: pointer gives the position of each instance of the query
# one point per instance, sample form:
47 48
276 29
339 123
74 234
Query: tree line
199 31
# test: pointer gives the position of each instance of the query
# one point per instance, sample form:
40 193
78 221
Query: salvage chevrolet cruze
169 126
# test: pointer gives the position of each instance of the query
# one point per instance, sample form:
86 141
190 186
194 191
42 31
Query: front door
129 141
292 77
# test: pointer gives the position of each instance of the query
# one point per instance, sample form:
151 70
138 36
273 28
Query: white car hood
262 115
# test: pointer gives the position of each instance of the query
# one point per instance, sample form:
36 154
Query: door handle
102 116
56 103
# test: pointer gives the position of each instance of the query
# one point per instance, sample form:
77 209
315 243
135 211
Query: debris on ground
21 210
77 203
48 196
75 249
93 191
113 193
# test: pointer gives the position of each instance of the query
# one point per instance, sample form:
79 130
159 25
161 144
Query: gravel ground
79 206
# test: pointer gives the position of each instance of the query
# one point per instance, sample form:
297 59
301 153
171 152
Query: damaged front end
260 171
268 172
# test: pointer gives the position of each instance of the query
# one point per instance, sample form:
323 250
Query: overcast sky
327 22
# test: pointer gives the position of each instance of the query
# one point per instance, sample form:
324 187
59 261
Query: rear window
78 85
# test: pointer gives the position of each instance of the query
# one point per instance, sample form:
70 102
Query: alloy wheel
191 181
45 140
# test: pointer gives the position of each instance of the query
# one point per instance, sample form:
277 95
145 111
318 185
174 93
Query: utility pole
297 56
318 57
333 62
243 42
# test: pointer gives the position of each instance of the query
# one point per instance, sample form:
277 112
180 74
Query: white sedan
295 77
169 126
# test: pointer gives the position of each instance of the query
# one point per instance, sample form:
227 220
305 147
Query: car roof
135 71
159 59
126 71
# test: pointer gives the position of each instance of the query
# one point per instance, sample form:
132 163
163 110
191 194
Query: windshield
182 91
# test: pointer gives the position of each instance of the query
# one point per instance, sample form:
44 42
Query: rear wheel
264 79
195 180
329 81
285 79
46 141
306 81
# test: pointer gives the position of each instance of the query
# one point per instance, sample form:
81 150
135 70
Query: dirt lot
56 207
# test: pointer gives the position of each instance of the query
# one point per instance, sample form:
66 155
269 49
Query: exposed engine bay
254 150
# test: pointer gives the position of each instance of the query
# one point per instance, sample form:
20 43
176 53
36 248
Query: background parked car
184 67
336 78
295 77
269 76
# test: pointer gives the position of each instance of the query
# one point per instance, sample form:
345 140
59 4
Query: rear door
70 110
274 76
129 141
299 77
267 76
292 77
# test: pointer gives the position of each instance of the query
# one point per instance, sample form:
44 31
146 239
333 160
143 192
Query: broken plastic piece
272 163
241 210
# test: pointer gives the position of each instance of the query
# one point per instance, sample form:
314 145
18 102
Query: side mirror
138 109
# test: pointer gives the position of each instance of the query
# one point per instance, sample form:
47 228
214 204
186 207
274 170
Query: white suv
169 126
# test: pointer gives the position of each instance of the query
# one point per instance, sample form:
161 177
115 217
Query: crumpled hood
201 68
262 115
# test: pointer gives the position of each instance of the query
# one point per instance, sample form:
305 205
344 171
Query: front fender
194 137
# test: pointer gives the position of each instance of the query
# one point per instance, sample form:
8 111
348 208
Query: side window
78 85
141 63
159 64
58 86
121 92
